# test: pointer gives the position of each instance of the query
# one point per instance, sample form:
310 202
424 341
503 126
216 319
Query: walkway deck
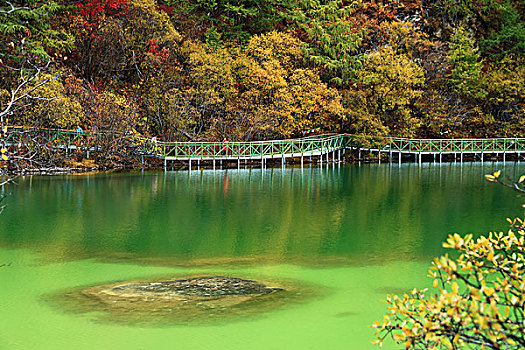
321 146
310 146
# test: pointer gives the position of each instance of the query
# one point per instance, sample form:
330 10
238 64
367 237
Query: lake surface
344 237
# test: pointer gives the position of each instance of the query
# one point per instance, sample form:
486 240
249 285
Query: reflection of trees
312 216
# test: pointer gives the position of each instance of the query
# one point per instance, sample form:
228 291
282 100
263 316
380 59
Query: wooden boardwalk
440 147
317 146
327 148
323 148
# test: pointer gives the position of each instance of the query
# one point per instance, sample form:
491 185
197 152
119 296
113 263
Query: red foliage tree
93 11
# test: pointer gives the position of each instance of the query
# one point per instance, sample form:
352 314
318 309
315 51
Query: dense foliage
244 69
480 300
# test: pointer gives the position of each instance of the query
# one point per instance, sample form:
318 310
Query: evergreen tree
464 58
331 36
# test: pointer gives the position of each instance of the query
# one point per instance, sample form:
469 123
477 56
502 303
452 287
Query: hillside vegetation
252 70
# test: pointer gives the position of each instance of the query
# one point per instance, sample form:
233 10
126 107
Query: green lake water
341 238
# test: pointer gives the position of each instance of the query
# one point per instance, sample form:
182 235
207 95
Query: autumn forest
254 70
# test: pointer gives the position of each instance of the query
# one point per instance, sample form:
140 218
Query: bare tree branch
4 182
14 9
18 93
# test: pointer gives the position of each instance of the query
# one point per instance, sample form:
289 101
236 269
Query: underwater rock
214 286
184 300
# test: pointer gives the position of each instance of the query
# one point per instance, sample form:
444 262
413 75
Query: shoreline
183 166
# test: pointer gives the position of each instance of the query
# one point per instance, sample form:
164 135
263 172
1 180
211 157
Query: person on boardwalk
225 146
78 135
154 143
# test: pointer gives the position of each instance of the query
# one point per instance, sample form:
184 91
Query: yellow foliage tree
114 112
505 84
479 297
146 23
402 37
389 84
284 48
53 108
261 92
210 69
285 97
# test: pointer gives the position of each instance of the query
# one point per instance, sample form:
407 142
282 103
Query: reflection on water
314 216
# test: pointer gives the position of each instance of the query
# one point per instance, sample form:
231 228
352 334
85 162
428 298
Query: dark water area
356 232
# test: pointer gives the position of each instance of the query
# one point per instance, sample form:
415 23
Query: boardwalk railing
310 146
402 145
307 146
59 137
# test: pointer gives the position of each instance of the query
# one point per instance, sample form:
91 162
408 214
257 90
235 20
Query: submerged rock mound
188 300
213 286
